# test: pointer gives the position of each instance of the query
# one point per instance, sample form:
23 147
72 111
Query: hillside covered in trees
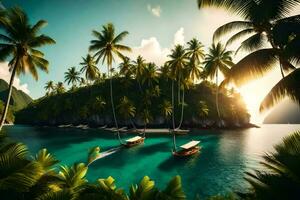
136 104
18 101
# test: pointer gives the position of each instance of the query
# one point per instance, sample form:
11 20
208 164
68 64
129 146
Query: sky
154 27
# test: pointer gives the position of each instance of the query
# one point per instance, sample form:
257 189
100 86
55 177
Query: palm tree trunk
173 110
178 94
173 118
132 124
113 109
281 70
182 109
217 94
9 94
174 141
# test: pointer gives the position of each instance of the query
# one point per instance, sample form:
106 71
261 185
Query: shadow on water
150 149
175 162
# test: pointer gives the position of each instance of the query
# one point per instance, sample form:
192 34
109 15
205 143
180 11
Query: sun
254 92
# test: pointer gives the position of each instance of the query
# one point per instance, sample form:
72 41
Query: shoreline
149 130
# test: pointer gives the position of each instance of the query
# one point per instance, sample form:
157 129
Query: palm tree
218 59
107 46
138 69
72 76
264 21
196 54
19 42
281 178
126 109
49 87
202 109
125 67
90 68
149 75
59 88
166 109
177 64
72 179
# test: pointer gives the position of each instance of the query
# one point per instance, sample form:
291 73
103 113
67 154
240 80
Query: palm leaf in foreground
286 87
282 178
252 66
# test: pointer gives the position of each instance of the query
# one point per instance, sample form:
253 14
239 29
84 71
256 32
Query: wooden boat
179 131
188 149
134 141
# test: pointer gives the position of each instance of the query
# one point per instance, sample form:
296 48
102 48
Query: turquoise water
219 169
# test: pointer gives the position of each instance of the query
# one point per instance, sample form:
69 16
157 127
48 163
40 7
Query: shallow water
218 169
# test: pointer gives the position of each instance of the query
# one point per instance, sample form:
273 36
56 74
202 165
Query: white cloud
179 37
152 50
5 75
156 11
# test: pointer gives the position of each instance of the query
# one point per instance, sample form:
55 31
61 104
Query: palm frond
230 27
286 87
253 66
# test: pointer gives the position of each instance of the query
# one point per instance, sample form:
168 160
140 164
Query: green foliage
281 179
81 104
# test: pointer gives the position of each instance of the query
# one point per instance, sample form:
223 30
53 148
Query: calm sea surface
218 169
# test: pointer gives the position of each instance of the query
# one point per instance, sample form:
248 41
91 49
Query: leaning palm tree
19 42
72 76
89 68
281 179
49 87
218 59
107 45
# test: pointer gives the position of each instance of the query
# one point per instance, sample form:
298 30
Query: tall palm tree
281 178
19 42
107 45
218 59
72 76
177 64
49 87
196 54
90 68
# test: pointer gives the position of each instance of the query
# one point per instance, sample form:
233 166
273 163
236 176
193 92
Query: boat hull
132 144
186 153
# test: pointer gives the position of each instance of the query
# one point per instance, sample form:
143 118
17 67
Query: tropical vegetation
19 42
265 24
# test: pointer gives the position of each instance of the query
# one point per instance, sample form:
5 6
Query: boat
134 141
179 131
188 149
102 127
